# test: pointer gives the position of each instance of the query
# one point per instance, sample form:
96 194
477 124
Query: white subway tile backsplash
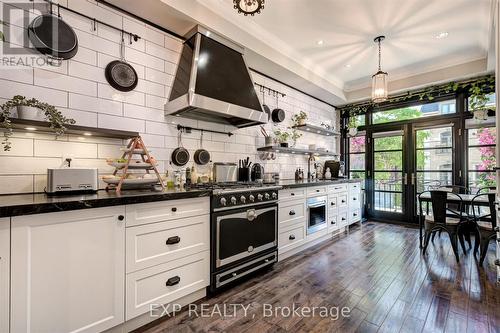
44 148
63 82
79 90
121 123
16 184
94 104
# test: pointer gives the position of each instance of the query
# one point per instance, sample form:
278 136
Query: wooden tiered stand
135 147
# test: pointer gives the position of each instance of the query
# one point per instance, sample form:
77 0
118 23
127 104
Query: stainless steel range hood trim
190 101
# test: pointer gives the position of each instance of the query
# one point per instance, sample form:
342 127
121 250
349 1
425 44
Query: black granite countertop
310 183
28 204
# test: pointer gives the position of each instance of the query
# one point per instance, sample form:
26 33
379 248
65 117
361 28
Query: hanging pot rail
95 21
188 129
269 90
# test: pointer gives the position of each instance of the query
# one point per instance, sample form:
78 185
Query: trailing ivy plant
477 89
2 36
57 120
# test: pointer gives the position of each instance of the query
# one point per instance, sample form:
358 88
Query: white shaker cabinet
4 273
68 271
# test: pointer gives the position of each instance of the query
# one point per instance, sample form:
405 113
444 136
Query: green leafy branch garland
477 89
56 119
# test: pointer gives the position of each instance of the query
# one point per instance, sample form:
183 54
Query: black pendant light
379 79
247 7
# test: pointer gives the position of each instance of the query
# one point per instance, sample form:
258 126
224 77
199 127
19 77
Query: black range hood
212 83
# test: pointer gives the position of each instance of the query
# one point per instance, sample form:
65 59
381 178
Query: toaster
71 180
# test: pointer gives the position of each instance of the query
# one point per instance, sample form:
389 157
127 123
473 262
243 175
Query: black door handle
292 237
173 240
317 191
343 201
292 194
333 222
173 281
121 217
292 212
333 203
343 219
174 209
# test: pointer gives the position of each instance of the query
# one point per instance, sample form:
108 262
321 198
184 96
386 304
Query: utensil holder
244 174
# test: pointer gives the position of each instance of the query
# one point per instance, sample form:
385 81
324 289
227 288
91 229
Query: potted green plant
282 137
42 111
299 118
477 103
295 136
352 126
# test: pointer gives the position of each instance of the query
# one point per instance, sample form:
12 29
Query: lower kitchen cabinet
68 271
4 273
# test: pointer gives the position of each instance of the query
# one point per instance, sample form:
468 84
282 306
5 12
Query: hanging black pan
201 156
180 155
121 75
53 37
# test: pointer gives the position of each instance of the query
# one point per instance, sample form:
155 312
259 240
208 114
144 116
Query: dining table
453 198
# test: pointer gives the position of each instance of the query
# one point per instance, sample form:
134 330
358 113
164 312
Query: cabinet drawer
333 223
355 187
318 190
166 283
354 199
332 202
157 243
337 188
166 210
342 219
291 212
288 239
354 215
342 201
292 194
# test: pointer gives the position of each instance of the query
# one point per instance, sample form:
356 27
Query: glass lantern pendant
380 79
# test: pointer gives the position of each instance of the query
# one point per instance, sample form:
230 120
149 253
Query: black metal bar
93 20
187 128
269 90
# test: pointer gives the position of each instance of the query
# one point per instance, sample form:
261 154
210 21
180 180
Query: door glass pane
413 112
482 136
388 202
388 160
357 144
479 180
432 180
435 138
481 158
388 143
435 159
388 181
357 161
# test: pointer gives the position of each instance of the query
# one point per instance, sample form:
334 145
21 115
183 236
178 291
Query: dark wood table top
453 198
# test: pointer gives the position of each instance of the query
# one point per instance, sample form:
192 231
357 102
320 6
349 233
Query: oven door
241 233
317 214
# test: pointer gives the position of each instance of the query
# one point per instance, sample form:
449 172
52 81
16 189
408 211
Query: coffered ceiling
330 42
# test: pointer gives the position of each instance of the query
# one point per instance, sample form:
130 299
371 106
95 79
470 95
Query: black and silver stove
244 231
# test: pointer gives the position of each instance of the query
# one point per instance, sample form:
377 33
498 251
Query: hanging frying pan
278 115
201 156
53 37
180 155
121 75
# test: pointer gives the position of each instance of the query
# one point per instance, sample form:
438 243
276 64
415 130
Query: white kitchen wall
79 90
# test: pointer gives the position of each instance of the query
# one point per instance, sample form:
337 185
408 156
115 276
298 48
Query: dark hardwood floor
378 272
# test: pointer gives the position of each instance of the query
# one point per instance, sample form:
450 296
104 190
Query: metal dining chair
443 219
485 219
486 189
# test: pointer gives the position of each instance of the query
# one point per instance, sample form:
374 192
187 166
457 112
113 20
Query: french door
405 160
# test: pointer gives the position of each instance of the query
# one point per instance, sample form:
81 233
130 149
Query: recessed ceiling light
441 35
320 42
347 65
30 128
87 134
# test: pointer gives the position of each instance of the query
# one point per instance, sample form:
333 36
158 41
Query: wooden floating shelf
316 130
297 151
44 127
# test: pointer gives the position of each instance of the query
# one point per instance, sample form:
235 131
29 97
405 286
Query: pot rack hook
94 25
58 10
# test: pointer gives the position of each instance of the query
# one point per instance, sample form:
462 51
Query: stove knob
251 198
243 199
274 195
267 196
233 200
223 201
259 197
